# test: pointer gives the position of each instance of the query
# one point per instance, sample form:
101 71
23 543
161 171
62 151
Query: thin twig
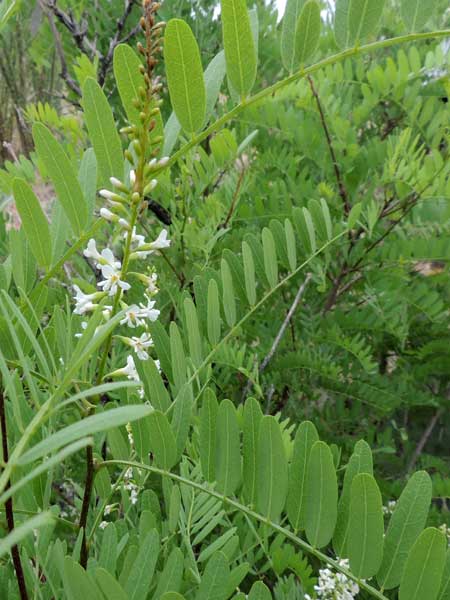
337 171
60 50
424 439
282 330
9 505
240 180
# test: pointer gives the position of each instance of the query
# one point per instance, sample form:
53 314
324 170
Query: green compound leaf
366 527
240 51
406 523
322 494
228 456
305 438
360 462
363 18
102 132
251 421
288 33
444 593
128 78
272 470
63 176
307 32
185 75
425 566
162 440
208 428
416 13
215 578
34 222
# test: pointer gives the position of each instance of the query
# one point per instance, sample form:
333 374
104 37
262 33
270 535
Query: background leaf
185 75
34 222
240 52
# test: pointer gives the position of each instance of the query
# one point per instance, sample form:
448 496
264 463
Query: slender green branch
269 91
254 515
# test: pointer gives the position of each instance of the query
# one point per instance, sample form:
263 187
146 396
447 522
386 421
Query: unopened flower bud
150 187
132 177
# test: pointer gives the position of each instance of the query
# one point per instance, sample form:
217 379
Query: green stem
331 60
254 515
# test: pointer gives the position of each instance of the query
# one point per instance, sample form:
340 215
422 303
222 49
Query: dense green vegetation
224 300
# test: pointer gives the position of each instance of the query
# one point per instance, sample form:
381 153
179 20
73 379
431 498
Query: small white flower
112 281
91 250
107 258
152 288
107 194
84 302
132 317
136 239
140 344
158 365
124 224
103 524
129 370
105 213
161 241
148 312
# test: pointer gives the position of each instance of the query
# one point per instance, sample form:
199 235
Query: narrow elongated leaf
214 581
218 544
87 177
213 320
425 566
229 301
178 356
34 222
228 456
365 543
360 462
162 345
288 33
321 496
154 389
363 18
22 531
416 13
407 521
208 427
170 578
63 176
272 469
104 421
193 331
102 132
185 75
249 273
162 440
110 587
214 76
305 438
290 244
240 51
129 79
181 419
444 593
341 29
307 32
252 420
79 583
141 573
270 257
107 558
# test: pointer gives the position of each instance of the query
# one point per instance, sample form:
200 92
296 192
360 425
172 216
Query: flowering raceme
115 274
